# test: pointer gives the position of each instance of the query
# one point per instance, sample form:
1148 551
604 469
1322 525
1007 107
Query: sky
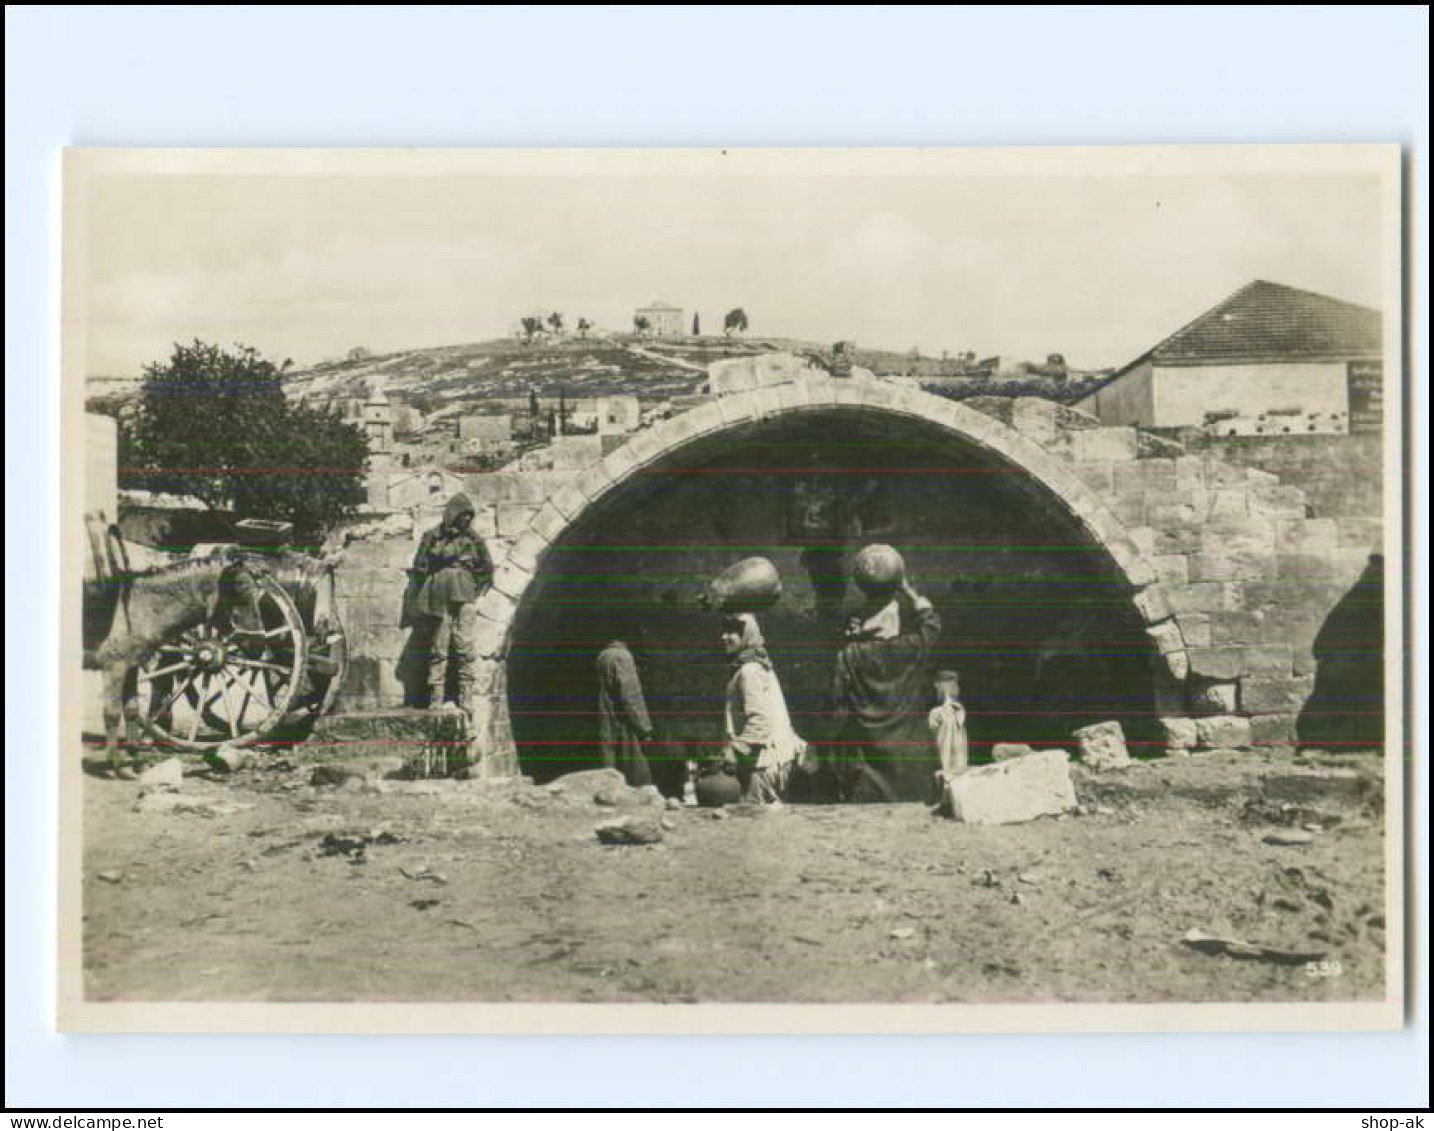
1097 267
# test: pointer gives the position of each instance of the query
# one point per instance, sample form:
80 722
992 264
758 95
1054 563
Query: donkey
157 606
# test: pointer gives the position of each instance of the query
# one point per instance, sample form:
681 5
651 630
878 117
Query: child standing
947 721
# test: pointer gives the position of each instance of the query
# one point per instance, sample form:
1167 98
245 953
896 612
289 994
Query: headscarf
752 648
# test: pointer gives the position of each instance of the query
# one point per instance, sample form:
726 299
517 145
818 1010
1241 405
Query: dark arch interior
1035 619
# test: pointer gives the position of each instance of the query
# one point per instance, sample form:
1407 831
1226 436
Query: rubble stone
586 784
631 830
168 774
1005 751
1102 746
227 759
1022 789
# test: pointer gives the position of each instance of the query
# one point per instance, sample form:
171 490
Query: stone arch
811 394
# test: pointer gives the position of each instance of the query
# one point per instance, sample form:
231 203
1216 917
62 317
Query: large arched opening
1038 590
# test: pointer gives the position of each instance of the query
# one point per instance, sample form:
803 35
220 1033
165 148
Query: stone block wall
1248 570
1234 569
1340 475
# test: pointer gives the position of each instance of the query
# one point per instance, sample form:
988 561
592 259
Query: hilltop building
1269 360
663 319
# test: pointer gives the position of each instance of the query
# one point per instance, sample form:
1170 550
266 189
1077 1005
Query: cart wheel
328 665
218 684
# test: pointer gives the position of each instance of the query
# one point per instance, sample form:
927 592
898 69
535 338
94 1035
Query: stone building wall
1246 568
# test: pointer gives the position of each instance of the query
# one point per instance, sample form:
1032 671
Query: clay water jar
747 586
715 790
878 570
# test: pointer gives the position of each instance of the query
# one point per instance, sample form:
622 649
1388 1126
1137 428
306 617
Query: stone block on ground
428 744
168 774
631 830
1102 746
585 785
1323 785
227 759
1022 789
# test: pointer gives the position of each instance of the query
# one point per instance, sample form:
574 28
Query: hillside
510 368
444 380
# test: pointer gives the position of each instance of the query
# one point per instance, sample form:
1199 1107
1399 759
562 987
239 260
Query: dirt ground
265 887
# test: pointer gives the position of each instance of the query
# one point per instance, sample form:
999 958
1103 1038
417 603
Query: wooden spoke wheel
228 681
327 665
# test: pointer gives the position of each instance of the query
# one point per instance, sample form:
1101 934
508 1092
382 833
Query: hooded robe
452 563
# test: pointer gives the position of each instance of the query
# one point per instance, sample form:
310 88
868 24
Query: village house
487 426
663 319
606 415
1269 360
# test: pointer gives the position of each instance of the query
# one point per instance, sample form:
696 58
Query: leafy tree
640 323
555 320
215 424
696 325
735 322
583 327
532 327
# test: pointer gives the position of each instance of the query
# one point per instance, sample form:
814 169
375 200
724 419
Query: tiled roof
1271 322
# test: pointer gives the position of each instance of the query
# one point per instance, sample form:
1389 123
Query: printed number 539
1324 969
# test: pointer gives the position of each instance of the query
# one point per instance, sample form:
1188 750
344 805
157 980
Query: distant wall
1184 394
1126 400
